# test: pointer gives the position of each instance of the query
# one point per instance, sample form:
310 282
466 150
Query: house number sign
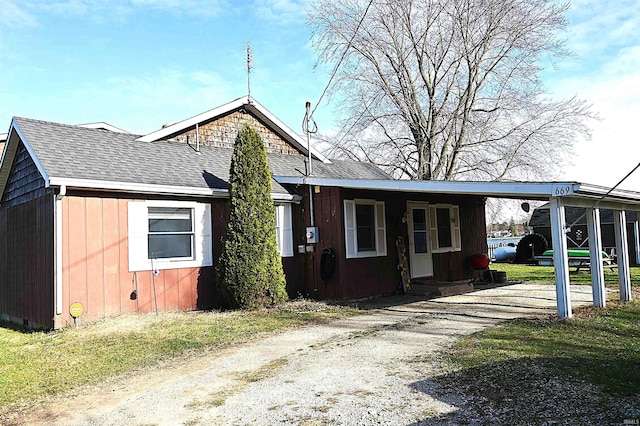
560 190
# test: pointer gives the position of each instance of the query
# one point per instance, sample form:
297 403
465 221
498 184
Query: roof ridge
72 126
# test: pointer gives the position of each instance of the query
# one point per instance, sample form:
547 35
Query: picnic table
578 258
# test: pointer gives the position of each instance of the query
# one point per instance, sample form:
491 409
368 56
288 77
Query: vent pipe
197 138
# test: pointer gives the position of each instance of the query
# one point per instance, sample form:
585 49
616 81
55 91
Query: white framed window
444 228
169 235
284 230
364 228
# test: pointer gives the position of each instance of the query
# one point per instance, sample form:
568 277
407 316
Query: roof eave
542 190
573 193
148 189
15 136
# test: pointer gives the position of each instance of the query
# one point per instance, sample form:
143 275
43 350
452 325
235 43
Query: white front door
419 247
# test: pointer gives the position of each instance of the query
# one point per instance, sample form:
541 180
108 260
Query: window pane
163 246
419 219
365 227
420 242
444 227
163 219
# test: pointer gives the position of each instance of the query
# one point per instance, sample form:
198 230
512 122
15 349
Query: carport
558 194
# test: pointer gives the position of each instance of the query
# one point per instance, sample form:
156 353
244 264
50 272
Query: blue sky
140 63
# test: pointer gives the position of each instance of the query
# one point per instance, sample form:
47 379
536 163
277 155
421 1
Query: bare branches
448 89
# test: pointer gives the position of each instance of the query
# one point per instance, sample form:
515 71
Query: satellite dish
525 206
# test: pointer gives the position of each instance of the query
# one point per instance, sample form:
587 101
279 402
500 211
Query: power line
599 200
344 54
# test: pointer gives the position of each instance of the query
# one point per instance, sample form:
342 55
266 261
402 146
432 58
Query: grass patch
35 365
545 274
262 373
584 370
598 346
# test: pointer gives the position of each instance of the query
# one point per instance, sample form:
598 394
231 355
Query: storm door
420 260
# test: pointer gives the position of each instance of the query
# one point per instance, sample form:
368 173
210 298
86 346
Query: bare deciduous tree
448 89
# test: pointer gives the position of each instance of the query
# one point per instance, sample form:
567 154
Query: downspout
58 247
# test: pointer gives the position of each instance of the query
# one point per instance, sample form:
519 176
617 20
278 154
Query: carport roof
573 193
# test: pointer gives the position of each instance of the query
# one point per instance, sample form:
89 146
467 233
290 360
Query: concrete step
434 288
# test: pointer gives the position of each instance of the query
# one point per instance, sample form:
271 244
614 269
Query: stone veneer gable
221 132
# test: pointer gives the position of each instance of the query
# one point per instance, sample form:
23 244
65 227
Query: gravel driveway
366 370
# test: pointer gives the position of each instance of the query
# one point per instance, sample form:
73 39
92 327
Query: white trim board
571 192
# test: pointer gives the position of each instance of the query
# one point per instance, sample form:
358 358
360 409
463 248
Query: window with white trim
364 228
444 228
169 235
284 230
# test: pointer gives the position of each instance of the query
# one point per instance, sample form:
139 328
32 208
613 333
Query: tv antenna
249 66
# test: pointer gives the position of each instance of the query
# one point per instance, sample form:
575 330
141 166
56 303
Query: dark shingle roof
75 152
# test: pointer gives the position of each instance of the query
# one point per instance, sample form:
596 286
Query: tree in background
250 271
448 89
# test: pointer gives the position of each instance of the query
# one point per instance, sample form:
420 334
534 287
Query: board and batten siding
27 262
95 268
378 275
456 265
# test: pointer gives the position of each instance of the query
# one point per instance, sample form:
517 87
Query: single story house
577 235
119 222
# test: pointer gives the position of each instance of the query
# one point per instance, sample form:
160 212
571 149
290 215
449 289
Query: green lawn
34 365
544 274
586 367
600 346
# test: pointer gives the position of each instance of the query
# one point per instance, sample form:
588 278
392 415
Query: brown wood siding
328 218
222 132
95 265
291 265
26 261
372 276
456 266
25 181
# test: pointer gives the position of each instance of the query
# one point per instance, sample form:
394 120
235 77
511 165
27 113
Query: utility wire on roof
309 125
344 54
599 200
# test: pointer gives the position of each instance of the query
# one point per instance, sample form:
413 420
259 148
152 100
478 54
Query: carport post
560 259
636 241
624 275
595 251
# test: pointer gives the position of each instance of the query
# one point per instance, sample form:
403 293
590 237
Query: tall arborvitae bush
250 271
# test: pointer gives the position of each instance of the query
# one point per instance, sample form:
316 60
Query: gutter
141 188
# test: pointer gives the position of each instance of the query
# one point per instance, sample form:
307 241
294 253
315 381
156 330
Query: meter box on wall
313 236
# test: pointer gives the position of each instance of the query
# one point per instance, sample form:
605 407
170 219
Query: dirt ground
377 368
